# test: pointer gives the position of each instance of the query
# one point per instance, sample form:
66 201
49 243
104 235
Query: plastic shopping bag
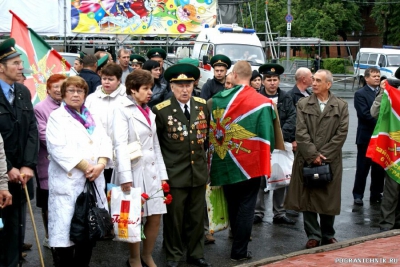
217 209
281 167
126 214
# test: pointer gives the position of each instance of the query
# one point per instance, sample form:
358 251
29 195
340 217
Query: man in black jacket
19 131
88 73
287 118
363 100
221 65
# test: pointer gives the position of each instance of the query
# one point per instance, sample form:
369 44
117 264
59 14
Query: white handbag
135 148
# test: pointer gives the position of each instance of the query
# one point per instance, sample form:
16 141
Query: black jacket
287 114
167 85
18 128
210 88
92 79
363 99
159 93
295 94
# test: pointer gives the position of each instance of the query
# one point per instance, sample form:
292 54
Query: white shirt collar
182 105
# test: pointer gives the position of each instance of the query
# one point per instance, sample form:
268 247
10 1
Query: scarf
84 117
144 109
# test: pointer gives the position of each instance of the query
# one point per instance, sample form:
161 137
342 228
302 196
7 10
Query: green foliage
336 65
386 18
325 19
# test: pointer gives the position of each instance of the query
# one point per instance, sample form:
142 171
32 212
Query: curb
326 248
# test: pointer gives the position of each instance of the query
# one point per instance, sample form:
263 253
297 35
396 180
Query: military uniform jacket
181 141
19 131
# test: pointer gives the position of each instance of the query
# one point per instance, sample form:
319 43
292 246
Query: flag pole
34 226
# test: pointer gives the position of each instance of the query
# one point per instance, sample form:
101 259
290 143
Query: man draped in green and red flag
384 149
38 57
241 141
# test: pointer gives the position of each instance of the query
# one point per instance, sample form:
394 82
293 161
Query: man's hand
5 198
14 176
319 159
27 174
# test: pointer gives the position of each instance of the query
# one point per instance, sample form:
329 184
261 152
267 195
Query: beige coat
3 167
318 133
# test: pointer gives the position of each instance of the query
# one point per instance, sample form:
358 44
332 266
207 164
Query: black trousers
77 256
377 175
11 237
241 198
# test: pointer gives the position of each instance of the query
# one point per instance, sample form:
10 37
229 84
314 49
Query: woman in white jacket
103 101
132 121
79 149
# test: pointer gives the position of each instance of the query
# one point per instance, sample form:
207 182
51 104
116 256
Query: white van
232 41
386 60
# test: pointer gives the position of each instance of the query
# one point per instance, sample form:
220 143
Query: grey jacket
376 105
3 167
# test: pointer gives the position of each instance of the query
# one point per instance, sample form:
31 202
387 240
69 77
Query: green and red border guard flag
241 135
38 57
384 147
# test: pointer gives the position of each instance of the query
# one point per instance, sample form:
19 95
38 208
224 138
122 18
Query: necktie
11 95
187 114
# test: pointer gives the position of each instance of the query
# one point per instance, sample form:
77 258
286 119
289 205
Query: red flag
38 57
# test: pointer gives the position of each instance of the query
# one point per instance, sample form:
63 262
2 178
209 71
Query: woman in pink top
42 113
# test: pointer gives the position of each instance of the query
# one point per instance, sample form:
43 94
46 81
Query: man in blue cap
21 142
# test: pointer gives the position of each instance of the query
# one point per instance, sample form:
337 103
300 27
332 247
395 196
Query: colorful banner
384 147
38 57
147 17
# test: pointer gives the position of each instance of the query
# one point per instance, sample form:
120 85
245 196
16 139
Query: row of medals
181 130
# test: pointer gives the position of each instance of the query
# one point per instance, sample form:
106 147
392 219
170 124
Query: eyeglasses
73 91
17 63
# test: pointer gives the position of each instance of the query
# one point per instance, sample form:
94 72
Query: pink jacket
42 113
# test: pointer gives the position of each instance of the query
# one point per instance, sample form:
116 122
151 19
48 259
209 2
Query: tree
385 16
325 19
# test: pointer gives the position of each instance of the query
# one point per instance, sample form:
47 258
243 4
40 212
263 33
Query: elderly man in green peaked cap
221 65
19 131
182 129
137 61
194 62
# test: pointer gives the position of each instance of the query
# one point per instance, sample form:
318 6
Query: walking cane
34 225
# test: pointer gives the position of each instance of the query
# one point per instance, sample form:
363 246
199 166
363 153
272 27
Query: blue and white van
386 60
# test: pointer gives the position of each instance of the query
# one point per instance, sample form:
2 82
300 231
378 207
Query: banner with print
147 17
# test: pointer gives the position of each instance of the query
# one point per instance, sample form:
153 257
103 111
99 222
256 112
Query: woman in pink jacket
42 113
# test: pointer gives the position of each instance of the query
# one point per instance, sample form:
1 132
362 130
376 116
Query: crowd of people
84 127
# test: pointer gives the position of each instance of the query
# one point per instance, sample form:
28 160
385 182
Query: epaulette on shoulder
164 104
199 99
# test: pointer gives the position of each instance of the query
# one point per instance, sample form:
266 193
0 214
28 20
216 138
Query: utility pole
288 35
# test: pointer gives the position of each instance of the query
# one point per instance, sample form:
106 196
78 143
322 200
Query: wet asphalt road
268 239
